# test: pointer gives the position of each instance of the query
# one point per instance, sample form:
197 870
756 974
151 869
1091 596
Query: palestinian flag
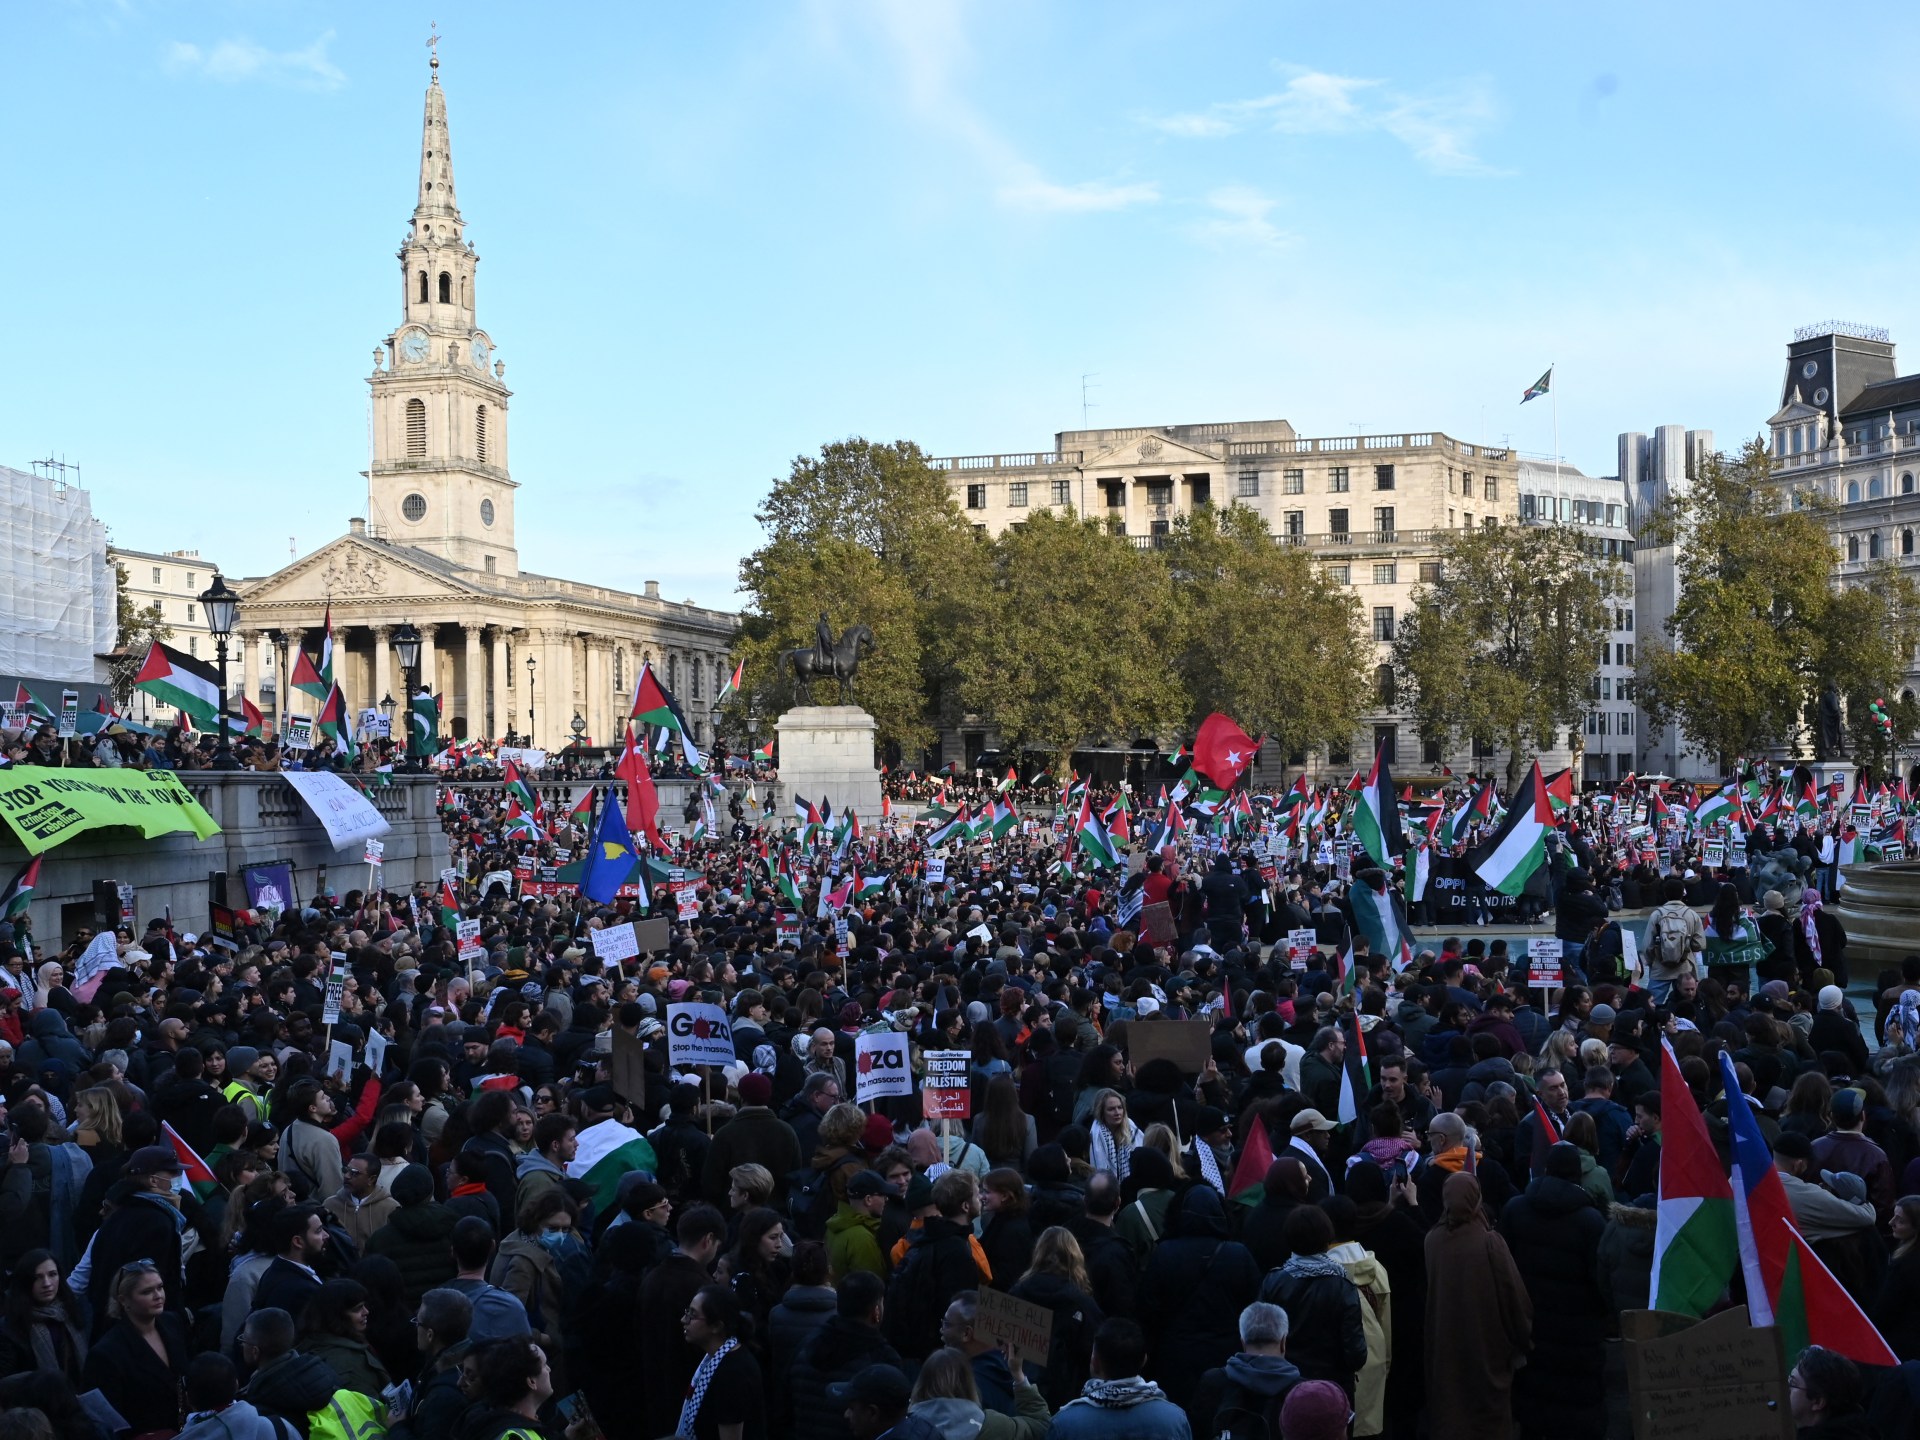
582 812
783 881
515 784
1560 791
1694 1251
1807 807
1297 799
732 687
14 899
1355 1080
865 885
765 752
1376 819
520 823
1118 820
1249 1183
316 677
955 827
254 718
1377 913
336 721
1004 818
1813 1308
1006 786
1091 835
449 906
1716 807
199 1174
808 814
654 705
1519 847
607 1151
1476 808
27 705
178 679
423 714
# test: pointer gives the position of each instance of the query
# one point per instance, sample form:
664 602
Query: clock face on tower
413 347
479 353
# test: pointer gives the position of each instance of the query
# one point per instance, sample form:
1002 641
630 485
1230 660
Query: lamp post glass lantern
406 647
222 608
530 725
579 727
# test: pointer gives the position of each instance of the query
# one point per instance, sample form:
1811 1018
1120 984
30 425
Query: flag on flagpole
198 1171
1694 1249
176 678
1355 1081
1376 820
1539 387
1091 836
653 704
1222 751
610 858
643 801
1760 1206
1814 1308
1249 1181
316 678
732 687
25 702
1519 847
19 891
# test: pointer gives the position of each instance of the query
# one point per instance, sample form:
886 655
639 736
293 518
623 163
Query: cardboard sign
615 943
1027 1328
686 898
299 732
1543 963
628 1067
1188 1043
375 853
651 935
1303 947
1156 922
698 1034
69 714
467 932
1721 1379
336 992
1714 855
1630 950
880 1066
376 1053
945 1093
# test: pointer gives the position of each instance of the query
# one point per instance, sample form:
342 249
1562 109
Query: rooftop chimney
653 589
357 525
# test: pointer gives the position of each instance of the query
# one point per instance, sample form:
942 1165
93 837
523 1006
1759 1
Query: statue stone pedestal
1825 772
826 753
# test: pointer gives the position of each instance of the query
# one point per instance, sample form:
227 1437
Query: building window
673 672
1906 484
480 434
1383 477
414 507
1874 488
693 676
976 497
1384 690
1293 482
1466 482
486 513
1431 753
1853 547
190 612
1337 480
1294 523
1873 549
1853 492
1492 522
1490 489
1429 572
1017 494
1628 626
619 672
1906 542
1249 485
446 288
193 644
1383 521
1383 622
156 574
1340 574
1341 755
1386 742
489 563
1063 492
1384 573
423 287
1624 723
1337 526
192 583
416 429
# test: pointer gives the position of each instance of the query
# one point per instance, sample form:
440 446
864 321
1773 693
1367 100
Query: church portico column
502 681
429 666
249 665
383 669
476 686
292 650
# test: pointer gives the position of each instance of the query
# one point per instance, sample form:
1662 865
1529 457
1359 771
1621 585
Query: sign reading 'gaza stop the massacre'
698 1035
880 1066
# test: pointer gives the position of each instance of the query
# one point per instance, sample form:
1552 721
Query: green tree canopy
1264 636
138 626
1741 659
1502 647
1871 629
1071 639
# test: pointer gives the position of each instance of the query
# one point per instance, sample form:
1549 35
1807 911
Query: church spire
437 214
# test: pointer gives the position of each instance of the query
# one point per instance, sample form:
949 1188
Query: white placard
347 815
880 1064
466 931
451 876
336 992
1543 963
525 759
1303 947
340 1061
698 1034
1630 952
375 853
687 900
376 1053
299 732
936 870
616 943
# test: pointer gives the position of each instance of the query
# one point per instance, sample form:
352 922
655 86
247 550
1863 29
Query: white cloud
233 62
1439 127
1088 196
1240 218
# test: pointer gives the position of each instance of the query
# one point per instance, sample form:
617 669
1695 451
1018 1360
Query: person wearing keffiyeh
726 1394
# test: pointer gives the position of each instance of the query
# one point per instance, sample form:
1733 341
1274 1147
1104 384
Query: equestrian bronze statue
828 659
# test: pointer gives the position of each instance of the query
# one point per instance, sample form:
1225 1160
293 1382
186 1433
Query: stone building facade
1370 508
510 651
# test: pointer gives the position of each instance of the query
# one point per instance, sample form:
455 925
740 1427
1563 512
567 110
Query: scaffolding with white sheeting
57 589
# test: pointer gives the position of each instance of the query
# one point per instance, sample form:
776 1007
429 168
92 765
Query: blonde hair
947 1374
1099 1103
98 1110
1159 1137
1056 1252
843 1125
754 1181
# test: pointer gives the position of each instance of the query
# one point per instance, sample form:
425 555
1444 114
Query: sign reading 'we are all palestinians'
44 806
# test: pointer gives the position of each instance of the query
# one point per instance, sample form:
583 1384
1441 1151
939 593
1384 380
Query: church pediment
1795 412
1150 452
354 570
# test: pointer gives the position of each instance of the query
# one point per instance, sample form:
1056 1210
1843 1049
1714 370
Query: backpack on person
1669 942
810 1198
1247 1415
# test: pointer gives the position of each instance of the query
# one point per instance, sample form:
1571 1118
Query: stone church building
509 651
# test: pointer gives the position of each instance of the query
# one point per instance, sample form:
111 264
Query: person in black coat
298 1235
1007 1237
1110 1267
1226 897
124 1365
1554 1233
1326 1332
1897 1310
848 1343
1263 1228
667 1361
938 1265
1390 1228
144 1225
1197 1283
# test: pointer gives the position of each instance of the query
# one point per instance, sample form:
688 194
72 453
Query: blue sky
714 237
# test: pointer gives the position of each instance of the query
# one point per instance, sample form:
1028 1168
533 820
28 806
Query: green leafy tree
1073 638
866 533
1263 635
1872 627
1741 658
138 627
1502 647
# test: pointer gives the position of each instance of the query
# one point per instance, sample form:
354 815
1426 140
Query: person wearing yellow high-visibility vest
250 1075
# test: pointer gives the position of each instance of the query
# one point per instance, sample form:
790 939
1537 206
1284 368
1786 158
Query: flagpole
1553 394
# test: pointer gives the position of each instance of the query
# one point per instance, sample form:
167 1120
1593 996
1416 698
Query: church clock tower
439 480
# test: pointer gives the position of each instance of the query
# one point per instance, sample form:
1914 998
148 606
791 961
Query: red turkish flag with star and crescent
1222 751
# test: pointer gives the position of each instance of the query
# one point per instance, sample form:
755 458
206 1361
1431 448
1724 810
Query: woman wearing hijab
1479 1320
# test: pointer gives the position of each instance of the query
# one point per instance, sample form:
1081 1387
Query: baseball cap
1311 1119
1846 1185
154 1160
870 1182
1847 1105
881 1386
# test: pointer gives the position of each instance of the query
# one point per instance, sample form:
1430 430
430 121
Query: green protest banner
44 807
